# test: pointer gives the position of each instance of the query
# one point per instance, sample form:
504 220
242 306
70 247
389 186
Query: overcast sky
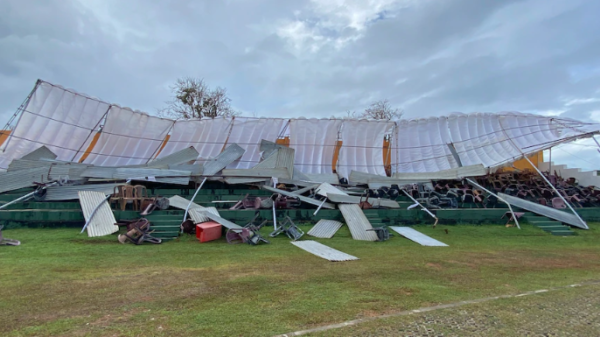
313 58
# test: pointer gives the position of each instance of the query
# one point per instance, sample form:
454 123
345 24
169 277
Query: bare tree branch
192 98
381 110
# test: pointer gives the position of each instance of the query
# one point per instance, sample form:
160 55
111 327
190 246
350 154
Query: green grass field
59 282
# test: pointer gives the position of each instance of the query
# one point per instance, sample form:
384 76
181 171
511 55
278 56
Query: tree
381 110
192 98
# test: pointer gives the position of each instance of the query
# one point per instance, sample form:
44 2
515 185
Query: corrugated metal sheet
300 176
348 199
330 178
22 164
58 171
358 223
198 214
325 188
455 173
302 198
552 213
167 180
285 158
177 158
59 193
129 173
266 173
196 169
267 147
39 153
236 181
413 178
103 222
224 222
418 237
325 229
22 178
268 162
323 251
181 203
232 153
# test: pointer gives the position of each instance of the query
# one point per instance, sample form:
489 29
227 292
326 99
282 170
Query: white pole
543 177
422 207
559 195
499 198
191 201
319 208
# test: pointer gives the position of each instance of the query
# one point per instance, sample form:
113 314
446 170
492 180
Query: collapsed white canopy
66 121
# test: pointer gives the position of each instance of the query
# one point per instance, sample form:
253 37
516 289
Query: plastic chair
558 203
140 194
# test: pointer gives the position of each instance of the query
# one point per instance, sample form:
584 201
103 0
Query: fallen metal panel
305 189
39 153
58 171
23 164
267 147
265 173
349 199
232 153
103 222
323 251
196 169
130 173
302 198
226 223
358 223
330 178
325 188
285 158
237 181
166 180
365 178
325 229
300 176
198 214
59 193
22 178
552 213
182 203
177 158
418 237
268 162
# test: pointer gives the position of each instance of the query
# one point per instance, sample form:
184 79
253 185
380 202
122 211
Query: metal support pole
274 201
422 207
550 161
274 216
544 177
191 201
499 198
558 193
594 138
319 208
25 197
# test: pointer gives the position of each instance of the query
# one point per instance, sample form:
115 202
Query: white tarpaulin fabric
128 138
490 139
314 141
207 136
362 148
66 122
248 133
58 118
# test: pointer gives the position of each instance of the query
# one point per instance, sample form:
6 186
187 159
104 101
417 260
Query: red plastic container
208 231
